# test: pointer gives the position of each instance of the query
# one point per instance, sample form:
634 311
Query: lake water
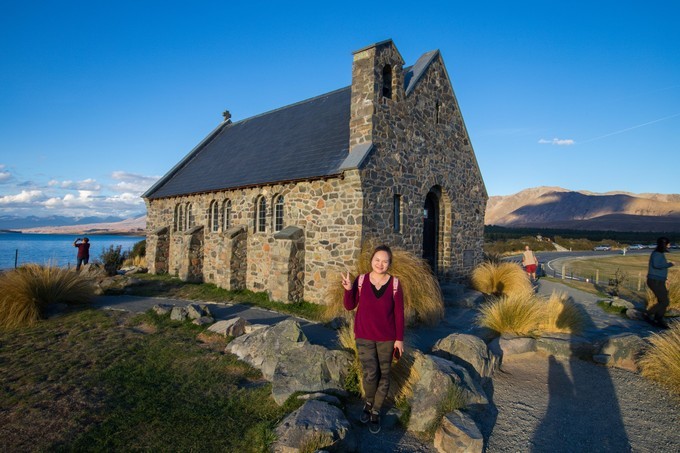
55 249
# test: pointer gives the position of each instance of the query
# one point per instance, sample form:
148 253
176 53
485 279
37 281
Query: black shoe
366 413
374 427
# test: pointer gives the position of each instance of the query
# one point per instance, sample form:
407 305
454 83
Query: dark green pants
659 289
376 361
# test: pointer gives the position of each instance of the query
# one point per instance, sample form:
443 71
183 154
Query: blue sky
99 99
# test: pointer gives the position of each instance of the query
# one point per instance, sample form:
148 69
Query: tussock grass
137 261
26 292
501 279
516 313
561 314
526 314
423 301
673 291
661 361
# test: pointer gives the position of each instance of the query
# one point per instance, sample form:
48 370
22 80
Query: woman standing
378 329
656 280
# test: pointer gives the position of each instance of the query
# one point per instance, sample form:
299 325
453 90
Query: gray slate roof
309 139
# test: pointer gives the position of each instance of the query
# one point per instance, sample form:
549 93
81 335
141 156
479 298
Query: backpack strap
395 284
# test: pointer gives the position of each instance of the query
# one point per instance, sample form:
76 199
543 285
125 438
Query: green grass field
103 381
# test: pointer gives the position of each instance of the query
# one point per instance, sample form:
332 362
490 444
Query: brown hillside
551 207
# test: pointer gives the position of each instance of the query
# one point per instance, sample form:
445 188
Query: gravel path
547 404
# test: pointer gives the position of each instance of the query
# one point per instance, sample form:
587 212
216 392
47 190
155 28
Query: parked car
636 247
602 248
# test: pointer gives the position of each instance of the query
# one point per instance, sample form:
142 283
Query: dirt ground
546 404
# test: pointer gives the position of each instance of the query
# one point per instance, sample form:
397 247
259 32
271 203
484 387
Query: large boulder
507 345
458 433
620 351
469 351
440 378
565 345
315 423
290 362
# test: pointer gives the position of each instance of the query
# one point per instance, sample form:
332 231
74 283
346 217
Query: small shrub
493 257
139 249
501 279
661 361
673 291
112 259
26 292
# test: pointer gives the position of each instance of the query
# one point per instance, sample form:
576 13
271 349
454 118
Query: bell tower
377 79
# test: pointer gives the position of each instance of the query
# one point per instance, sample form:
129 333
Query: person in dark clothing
378 329
657 275
83 246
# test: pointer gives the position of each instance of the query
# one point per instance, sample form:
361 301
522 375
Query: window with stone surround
278 213
191 218
387 81
226 213
179 218
437 112
396 213
261 214
214 216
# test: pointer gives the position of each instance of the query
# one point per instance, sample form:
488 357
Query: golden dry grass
422 296
137 261
673 291
515 313
526 314
26 292
501 279
661 361
561 314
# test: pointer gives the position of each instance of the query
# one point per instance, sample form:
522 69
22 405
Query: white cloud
26 196
5 176
557 141
132 183
86 184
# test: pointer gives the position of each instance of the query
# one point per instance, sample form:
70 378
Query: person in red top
83 251
378 329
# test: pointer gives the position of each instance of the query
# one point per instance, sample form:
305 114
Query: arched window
387 82
278 213
261 214
179 216
437 112
191 219
226 214
214 216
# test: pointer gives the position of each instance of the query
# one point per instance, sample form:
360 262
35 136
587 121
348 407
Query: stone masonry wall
421 145
330 212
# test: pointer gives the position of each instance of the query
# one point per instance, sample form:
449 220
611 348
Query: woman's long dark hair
661 244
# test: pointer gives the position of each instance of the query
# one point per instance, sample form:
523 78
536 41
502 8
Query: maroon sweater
378 318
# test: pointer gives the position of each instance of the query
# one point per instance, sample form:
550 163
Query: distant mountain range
92 225
555 207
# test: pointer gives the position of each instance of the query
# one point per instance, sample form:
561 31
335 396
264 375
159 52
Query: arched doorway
431 229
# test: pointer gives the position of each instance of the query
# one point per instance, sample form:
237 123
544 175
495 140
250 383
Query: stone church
281 202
